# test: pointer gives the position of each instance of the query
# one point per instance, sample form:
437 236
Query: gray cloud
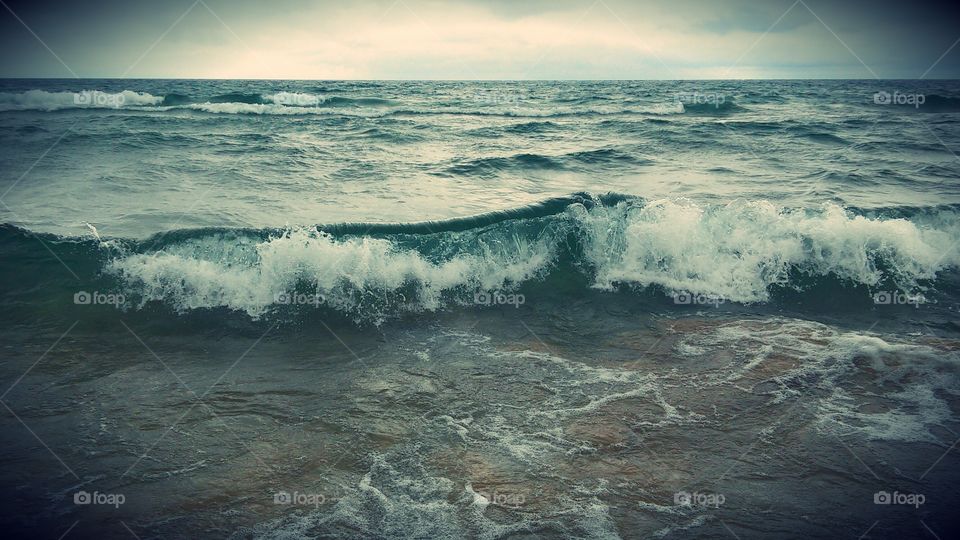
473 39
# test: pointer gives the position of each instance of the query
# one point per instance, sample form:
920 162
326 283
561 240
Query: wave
912 101
938 103
740 252
527 162
486 166
232 102
604 155
290 103
306 103
824 138
255 108
710 107
300 103
41 100
653 109
176 99
532 127
238 97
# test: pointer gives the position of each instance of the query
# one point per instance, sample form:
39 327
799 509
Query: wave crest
362 276
744 252
739 250
41 100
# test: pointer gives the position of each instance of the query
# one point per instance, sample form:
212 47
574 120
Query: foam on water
399 498
269 109
42 100
302 103
349 275
899 381
735 252
296 99
740 249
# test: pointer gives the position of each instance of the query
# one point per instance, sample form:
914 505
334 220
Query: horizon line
466 80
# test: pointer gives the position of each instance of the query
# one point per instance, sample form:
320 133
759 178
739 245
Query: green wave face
747 252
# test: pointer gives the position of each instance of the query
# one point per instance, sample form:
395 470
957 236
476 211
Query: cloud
428 39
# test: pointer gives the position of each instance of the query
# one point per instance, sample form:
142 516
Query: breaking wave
742 252
305 103
41 100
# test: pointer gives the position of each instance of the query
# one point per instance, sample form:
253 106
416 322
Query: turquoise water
492 310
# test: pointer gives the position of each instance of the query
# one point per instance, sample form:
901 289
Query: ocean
414 309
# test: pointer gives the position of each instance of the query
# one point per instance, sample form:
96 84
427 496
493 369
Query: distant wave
915 102
292 103
238 97
483 166
234 102
527 161
824 138
740 252
303 103
41 100
654 109
718 108
937 103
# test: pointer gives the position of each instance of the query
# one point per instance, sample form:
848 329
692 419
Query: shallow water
506 423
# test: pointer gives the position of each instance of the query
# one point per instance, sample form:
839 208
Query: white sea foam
734 252
295 99
900 385
293 103
399 498
282 109
350 275
737 251
41 100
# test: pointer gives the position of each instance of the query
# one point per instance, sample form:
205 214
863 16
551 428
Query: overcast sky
473 39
